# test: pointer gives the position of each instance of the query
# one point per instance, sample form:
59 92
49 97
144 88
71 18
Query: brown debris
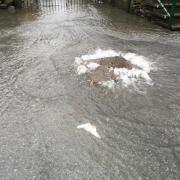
104 71
114 62
101 73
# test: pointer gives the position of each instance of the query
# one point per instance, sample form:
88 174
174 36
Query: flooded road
43 100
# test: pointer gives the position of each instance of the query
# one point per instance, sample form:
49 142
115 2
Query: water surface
42 100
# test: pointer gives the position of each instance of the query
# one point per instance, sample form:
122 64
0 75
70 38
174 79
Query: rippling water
42 100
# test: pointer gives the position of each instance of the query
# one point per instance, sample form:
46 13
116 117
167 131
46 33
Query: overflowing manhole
108 68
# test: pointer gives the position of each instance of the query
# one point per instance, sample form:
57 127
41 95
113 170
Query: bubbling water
138 67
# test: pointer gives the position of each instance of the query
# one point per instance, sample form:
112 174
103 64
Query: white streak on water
89 128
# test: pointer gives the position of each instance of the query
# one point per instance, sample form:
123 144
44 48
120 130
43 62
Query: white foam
110 84
100 54
78 61
92 66
82 69
129 55
130 76
138 60
90 128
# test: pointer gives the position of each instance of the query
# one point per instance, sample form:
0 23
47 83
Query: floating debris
106 68
101 74
113 62
90 128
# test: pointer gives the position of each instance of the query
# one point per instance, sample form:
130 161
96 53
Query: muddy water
42 100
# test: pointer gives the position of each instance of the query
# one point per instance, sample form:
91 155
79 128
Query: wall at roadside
123 4
23 3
